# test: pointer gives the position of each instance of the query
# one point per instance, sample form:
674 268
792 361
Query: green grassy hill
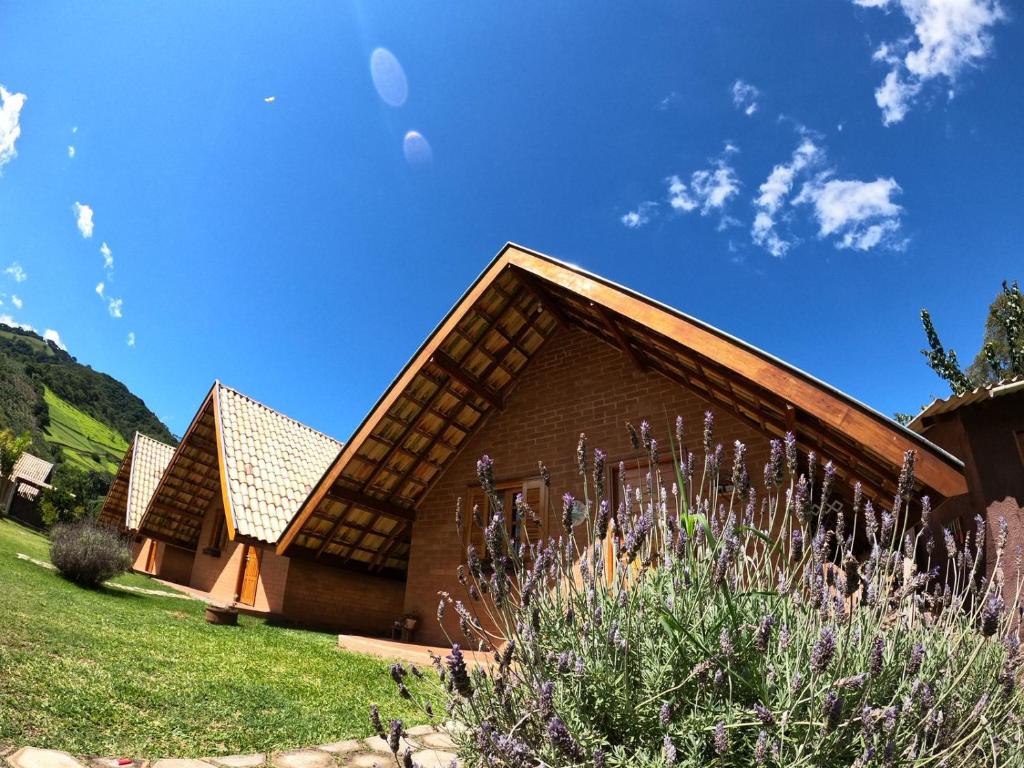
75 415
83 441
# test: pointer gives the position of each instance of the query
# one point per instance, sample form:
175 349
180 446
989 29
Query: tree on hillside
1002 350
75 494
11 448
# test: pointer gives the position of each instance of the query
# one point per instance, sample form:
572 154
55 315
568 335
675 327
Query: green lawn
121 674
84 441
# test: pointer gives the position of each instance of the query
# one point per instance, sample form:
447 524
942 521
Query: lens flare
388 77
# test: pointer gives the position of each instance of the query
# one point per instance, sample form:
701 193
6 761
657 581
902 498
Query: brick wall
218 573
321 596
173 563
575 384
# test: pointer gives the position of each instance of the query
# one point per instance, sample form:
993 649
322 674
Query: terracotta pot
221 614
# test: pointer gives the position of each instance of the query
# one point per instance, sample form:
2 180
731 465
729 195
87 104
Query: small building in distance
985 428
28 480
137 477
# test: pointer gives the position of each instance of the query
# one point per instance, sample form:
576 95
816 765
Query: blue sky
806 175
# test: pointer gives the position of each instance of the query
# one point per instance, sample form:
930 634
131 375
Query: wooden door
250 575
151 557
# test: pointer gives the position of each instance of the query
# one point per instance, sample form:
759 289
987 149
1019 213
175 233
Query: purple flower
905 484
764 633
599 460
581 455
665 714
709 427
459 674
761 748
568 502
721 740
740 478
562 740
376 722
991 614
916 657
790 446
832 710
645 434
394 735
773 467
485 473
823 651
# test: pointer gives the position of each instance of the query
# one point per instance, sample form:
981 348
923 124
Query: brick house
235 481
535 352
985 428
137 478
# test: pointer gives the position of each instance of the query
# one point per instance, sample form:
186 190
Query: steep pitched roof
31 469
980 394
137 477
363 507
260 463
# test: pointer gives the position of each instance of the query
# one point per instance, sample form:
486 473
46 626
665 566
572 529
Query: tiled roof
271 462
986 392
31 468
149 460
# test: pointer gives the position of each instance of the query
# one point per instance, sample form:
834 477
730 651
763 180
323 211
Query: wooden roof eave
934 467
182 444
122 477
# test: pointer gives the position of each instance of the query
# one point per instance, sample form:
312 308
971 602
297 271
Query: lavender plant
737 629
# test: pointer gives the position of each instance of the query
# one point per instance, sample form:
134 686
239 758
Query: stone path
122 587
431 749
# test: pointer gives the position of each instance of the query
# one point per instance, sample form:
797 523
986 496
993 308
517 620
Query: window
218 536
528 530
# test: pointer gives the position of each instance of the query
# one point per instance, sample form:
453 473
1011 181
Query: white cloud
774 191
100 288
131 339
745 96
51 335
12 323
71 150
16 273
83 215
639 217
269 99
715 186
108 256
114 307
861 214
679 196
949 37
10 123
670 99
17 301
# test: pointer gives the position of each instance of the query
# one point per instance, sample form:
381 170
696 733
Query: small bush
87 553
701 623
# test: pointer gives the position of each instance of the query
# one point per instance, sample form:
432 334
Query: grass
85 442
116 673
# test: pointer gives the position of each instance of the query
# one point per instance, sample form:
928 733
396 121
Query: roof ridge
276 412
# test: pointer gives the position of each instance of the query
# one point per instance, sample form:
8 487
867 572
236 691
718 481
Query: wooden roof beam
616 331
443 361
370 503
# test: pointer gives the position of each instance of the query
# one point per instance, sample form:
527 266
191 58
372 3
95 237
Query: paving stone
30 757
342 747
174 762
437 740
114 762
434 758
377 744
240 761
366 761
420 730
304 758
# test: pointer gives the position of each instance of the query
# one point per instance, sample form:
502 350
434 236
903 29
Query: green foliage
1002 350
88 554
83 441
107 672
76 494
11 448
737 629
